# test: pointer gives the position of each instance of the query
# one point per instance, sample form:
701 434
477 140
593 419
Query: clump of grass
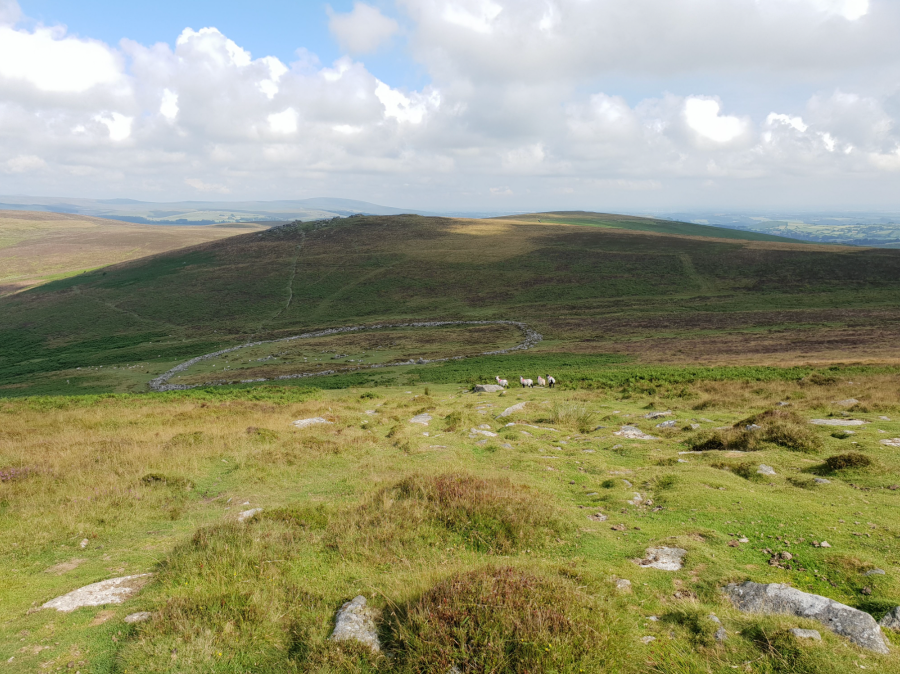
573 415
818 379
848 460
842 435
303 516
493 516
778 427
369 395
507 621
158 479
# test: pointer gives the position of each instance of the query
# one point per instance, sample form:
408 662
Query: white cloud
786 120
168 107
702 115
362 30
9 12
401 107
202 186
24 164
476 15
119 125
284 122
52 62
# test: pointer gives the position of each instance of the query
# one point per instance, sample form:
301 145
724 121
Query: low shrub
507 621
848 460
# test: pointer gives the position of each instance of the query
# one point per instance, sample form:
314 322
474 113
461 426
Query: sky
500 105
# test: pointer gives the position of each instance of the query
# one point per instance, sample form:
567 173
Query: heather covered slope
646 296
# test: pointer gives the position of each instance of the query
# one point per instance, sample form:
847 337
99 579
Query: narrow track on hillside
161 383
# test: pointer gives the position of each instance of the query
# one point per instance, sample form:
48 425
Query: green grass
476 552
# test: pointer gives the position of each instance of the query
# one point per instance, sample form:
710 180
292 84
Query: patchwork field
481 542
38 247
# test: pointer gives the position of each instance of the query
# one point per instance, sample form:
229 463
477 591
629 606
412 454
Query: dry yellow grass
36 247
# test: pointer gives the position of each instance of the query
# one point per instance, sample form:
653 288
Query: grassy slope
588 290
153 484
641 224
38 247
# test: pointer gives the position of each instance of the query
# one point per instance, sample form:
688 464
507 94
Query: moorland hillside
648 296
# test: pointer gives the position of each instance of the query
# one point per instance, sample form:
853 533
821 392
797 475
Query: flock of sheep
529 383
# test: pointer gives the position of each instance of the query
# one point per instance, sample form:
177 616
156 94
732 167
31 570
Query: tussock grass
489 515
782 428
848 460
508 620
578 416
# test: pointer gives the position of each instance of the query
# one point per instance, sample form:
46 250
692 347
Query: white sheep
526 383
503 382
551 382
541 381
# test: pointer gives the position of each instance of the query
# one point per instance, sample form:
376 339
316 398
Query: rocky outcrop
892 620
112 591
487 388
775 598
664 559
355 621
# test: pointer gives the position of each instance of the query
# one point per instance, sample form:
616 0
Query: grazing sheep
503 382
541 381
526 383
551 382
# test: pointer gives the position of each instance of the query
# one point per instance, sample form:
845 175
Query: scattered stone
848 402
633 433
874 572
893 442
248 514
512 410
782 404
806 634
636 500
112 591
664 559
477 431
766 470
821 480
488 388
743 540
824 544
618 527
837 422
667 424
885 418
721 635
891 620
694 427
84 543
306 423
423 419
485 427
599 517
776 598
647 639
715 618
138 617
506 445
356 622
371 412
589 451
752 427
623 585
653 618
628 485
683 461
658 415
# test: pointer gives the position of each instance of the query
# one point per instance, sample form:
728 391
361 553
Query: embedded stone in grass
306 423
623 585
821 480
765 470
667 424
423 419
837 422
356 622
112 591
512 410
488 388
138 617
806 634
841 619
848 402
891 620
664 559
875 572
893 442
248 514
633 433
658 415
477 431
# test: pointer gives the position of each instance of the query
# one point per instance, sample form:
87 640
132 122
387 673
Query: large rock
837 422
356 622
776 598
488 388
664 559
423 419
892 620
893 442
112 591
306 423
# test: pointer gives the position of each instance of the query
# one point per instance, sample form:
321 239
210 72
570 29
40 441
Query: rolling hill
651 292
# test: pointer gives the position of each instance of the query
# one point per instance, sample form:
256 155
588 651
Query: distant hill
199 212
649 295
